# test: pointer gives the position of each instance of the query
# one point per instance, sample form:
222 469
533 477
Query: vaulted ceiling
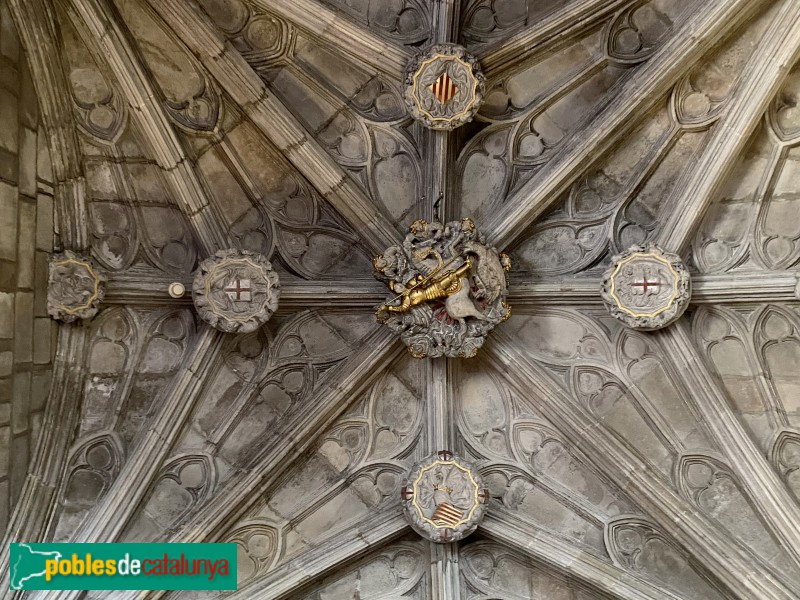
622 465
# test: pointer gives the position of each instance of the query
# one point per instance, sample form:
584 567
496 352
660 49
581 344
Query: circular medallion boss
444 498
646 288
75 287
444 86
236 291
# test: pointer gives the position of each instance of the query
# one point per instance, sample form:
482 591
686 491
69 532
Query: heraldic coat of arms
448 287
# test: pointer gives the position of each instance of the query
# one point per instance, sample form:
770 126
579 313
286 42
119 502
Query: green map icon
27 564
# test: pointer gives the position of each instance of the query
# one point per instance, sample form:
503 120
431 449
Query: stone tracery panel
622 200
785 456
355 468
490 570
751 225
190 98
531 111
132 358
405 21
752 352
183 483
711 486
616 374
531 470
638 546
271 209
132 219
399 570
93 466
356 115
99 110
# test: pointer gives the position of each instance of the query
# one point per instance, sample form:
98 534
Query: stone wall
27 340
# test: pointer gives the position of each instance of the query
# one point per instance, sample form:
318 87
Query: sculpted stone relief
444 87
449 289
75 287
646 288
444 498
236 291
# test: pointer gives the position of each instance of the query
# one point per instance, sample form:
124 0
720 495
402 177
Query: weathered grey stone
44 223
646 288
444 86
9 40
6 315
9 128
27 161
236 291
75 287
44 167
6 363
23 327
26 244
42 332
443 498
8 221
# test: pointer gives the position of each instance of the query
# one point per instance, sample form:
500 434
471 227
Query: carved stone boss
236 291
448 288
444 87
75 287
444 498
646 288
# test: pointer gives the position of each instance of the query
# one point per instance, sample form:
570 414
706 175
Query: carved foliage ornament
444 498
236 291
444 86
449 289
646 288
75 287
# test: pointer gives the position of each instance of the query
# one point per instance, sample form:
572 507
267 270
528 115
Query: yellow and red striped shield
444 89
447 514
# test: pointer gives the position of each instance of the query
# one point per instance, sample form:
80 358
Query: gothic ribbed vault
622 465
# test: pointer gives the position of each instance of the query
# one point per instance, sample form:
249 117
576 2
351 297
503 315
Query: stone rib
113 511
293 436
148 287
560 25
31 516
341 33
760 81
619 113
102 33
546 548
35 22
444 570
277 123
735 565
446 19
764 487
754 287
342 548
